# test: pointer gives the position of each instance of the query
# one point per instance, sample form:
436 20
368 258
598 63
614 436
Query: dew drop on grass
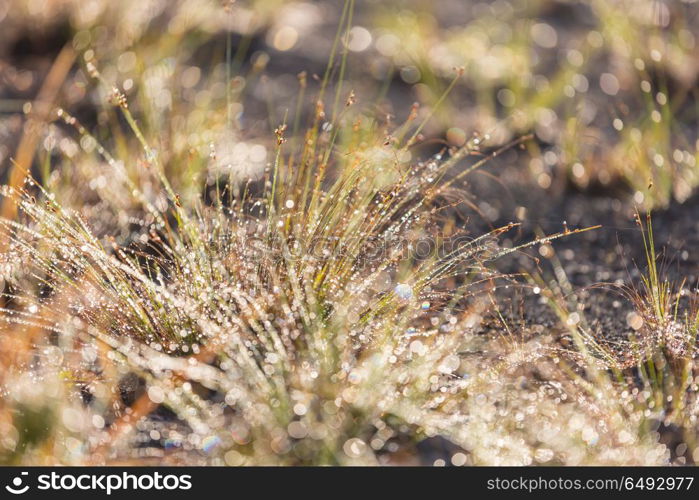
573 319
450 364
297 430
404 291
72 419
543 455
156 394
98 421
209 443
634 320
417 347
354 447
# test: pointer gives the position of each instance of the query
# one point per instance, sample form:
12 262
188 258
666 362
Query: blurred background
607 88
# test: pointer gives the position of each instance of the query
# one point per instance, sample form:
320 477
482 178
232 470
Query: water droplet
404 291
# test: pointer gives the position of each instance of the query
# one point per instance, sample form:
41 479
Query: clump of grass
667 318
294 326
649 373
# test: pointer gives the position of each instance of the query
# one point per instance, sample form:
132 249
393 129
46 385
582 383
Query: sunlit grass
184 283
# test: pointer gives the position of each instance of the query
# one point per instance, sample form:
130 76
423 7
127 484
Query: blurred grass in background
608 87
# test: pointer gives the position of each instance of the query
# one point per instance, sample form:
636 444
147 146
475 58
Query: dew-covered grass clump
213 253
